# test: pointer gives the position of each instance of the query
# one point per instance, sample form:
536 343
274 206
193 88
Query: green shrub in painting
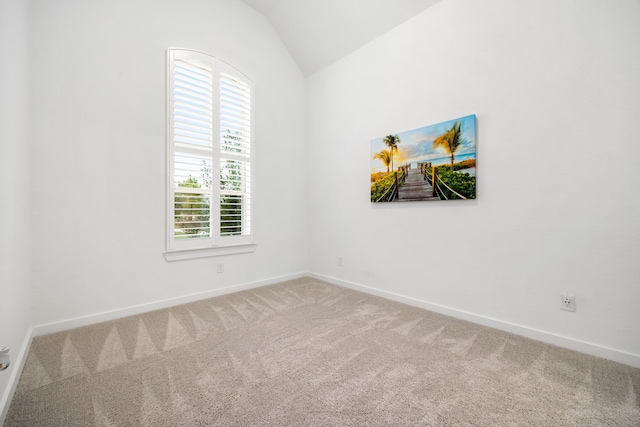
460 182
381 187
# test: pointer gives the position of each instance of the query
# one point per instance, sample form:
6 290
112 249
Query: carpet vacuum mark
307 353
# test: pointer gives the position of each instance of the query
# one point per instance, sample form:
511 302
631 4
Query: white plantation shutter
235 155
193 103
235 198
235 115
209 153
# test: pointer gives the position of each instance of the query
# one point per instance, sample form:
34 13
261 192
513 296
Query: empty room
319 212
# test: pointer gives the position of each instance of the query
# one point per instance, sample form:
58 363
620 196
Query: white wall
556 92
15 223
98 120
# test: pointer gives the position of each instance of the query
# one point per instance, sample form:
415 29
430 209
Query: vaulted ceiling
320 32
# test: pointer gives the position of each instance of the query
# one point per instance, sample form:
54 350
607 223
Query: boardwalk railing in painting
392 192
431 175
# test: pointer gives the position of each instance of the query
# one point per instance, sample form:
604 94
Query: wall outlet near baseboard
4 358
339 261
567 302
221 267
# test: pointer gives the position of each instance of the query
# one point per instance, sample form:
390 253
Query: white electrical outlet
339 261
220 267
567 302
4 358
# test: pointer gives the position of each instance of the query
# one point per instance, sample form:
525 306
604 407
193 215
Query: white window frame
214 243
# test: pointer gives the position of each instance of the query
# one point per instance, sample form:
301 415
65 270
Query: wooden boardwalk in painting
415 188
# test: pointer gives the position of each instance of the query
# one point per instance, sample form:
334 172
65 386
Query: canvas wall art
432 163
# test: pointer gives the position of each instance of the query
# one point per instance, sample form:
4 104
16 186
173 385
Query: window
208 156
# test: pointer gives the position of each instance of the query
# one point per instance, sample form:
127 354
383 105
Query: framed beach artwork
432 163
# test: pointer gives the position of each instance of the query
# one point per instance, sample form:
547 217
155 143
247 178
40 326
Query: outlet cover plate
567 302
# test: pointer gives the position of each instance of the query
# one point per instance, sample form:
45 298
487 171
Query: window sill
210 252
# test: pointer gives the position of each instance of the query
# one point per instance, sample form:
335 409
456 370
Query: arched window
209 155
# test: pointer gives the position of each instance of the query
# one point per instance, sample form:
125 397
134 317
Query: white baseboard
16 369
144 308
547 337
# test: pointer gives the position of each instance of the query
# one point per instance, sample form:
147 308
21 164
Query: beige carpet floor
307 353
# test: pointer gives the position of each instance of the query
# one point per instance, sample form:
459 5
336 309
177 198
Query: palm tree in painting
384 156
450 141
392 142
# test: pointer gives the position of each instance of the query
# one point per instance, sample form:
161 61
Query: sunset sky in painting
417 145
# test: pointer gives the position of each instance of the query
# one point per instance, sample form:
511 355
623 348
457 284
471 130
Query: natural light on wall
209 114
